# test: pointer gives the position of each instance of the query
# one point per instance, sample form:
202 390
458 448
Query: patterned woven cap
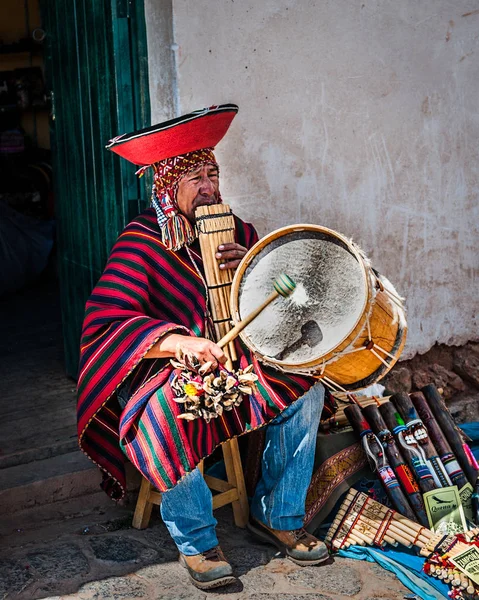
200 129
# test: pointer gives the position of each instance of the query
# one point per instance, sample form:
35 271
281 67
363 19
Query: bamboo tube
393 533
403 530
416 536
374 525
456 580
367 523
367 539
354 539
404 525
335 543
413 525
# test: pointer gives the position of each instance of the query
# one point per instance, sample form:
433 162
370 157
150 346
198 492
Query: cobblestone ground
119 563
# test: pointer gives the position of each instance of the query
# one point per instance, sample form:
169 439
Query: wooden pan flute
216 225
362 521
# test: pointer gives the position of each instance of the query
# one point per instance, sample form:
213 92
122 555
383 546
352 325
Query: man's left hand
229 255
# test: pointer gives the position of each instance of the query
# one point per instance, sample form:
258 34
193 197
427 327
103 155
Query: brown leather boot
209 569
298 545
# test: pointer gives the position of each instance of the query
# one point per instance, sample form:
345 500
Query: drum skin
354 362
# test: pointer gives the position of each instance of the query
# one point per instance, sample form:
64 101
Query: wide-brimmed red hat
200 129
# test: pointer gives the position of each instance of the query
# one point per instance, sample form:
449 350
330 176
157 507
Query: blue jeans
280 495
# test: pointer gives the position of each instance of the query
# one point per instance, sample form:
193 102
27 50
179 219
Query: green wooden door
96 63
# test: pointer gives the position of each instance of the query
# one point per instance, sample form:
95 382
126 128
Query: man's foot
298 545
209 569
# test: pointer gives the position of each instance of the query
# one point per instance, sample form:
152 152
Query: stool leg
234 472
143 509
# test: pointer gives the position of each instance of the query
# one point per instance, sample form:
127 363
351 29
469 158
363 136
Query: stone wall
454 370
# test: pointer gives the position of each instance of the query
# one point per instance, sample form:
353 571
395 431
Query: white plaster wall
358 115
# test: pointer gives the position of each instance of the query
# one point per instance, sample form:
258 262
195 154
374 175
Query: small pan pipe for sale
362 521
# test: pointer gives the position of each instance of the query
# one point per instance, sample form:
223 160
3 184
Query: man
152 300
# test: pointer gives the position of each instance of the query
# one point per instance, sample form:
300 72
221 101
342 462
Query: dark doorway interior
73 75
38 399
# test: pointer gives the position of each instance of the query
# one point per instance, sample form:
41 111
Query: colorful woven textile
146 291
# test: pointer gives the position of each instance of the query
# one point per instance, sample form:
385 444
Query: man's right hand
204 350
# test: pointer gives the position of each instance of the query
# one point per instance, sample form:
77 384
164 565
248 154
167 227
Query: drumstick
283 286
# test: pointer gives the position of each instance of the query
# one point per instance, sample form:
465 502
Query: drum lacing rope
332 385
370 343
396 299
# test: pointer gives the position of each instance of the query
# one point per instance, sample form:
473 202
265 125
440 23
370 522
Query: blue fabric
406 566
187 511
404 562
280 496
287 463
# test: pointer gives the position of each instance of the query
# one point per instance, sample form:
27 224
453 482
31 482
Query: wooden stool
232 491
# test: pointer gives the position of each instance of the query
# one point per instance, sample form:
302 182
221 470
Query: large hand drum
344 323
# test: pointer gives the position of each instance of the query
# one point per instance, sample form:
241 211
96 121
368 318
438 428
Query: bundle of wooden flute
216 225
415 448
363 521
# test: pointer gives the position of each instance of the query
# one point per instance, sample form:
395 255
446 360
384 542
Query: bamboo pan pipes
362 521
216 225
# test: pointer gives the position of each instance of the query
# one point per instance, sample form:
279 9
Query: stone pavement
109 560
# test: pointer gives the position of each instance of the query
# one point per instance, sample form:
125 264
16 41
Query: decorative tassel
177 232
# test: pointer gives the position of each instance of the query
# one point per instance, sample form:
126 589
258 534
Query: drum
344 323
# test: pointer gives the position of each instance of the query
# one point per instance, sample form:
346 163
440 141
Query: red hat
200 129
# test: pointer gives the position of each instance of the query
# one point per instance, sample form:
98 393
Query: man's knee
310 405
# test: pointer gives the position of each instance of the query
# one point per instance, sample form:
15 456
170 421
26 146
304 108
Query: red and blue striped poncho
145 292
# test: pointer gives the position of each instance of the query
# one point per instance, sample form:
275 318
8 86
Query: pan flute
362 521
216 225
432 451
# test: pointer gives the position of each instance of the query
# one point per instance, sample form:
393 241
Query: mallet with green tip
283 286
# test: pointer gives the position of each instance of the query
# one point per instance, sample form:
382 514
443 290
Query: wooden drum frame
373 345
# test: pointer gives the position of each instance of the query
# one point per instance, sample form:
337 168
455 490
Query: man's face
199 187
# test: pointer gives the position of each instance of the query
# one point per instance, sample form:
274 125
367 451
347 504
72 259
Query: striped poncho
145 292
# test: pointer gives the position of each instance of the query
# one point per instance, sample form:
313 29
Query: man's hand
229 255
204 350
